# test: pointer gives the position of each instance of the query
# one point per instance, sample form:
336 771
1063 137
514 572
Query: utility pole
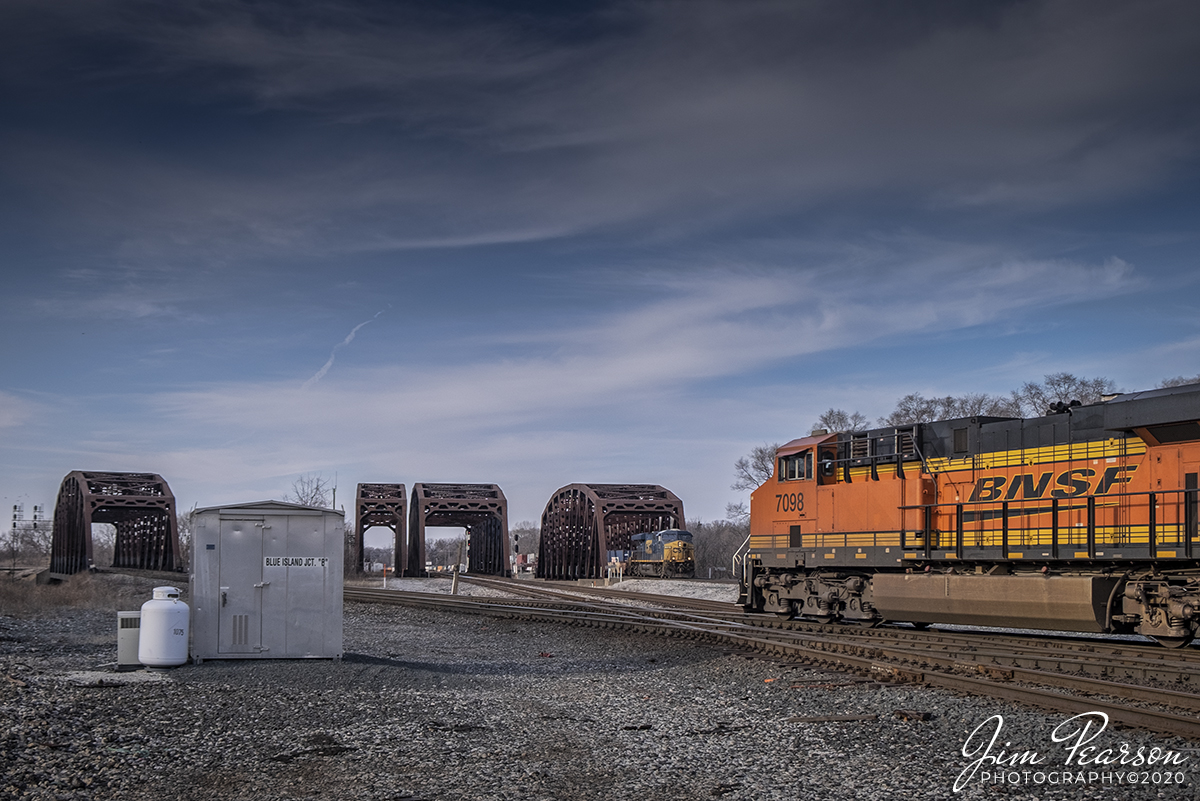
457 568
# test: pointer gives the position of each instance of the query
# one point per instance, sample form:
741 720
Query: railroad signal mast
22 529
18 515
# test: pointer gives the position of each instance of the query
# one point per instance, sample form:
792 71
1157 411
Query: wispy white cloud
712 326
333 354
14 410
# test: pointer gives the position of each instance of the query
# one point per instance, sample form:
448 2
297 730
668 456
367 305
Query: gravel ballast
439 705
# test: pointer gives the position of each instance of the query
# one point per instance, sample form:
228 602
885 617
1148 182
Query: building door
294 570
239 624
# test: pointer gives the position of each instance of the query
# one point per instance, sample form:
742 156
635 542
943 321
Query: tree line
1032 399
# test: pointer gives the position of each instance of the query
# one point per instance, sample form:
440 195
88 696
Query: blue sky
623 242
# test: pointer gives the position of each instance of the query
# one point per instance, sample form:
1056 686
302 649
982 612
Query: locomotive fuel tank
1070 603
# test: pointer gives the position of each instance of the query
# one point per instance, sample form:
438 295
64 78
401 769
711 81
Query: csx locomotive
663 554
1084 519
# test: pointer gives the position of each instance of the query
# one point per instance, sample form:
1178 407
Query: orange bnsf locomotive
1082 520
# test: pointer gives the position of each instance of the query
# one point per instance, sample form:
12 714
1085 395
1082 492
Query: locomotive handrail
1182 532
843 459
737 565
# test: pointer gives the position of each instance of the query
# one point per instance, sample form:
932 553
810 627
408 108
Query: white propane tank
164 633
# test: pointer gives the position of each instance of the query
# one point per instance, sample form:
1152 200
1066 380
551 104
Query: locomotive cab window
796 466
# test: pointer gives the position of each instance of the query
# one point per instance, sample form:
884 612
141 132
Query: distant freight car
1084 519
663 554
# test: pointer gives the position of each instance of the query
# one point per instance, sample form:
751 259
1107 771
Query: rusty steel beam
582 523
139 505
481 509
383 505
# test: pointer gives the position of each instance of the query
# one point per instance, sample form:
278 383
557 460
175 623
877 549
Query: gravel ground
707 590
430 705
434 584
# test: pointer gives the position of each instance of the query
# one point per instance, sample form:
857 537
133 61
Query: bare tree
444 550
1035 399
752 470
839 420
350 563
310 490
104 541
185 524
1178 381
383 556
715 544
737 512
916 408
983 405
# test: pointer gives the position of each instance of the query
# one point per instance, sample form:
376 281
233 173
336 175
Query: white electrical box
266 582
129 629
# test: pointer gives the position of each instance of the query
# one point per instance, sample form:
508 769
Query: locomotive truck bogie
1167 611
820 595
1082 520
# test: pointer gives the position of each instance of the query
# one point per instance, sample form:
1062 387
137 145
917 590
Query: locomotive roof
1170 414
798 445
645 535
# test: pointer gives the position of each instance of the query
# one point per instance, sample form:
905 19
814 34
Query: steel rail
1029 660
1147 663
962 647
891 663
1098 644
1134 661
573 591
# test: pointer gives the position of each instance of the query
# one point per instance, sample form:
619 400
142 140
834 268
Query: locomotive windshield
668 535
796 466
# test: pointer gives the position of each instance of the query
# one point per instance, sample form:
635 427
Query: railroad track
1100 658
1055 674
572 591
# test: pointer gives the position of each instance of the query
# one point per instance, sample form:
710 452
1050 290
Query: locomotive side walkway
438 705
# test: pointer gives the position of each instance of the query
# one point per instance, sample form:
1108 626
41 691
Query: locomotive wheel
1173 642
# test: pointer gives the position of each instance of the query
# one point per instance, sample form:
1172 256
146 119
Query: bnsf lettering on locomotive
789 502
1025 483
1073 483
1113 475
1077 485
988 489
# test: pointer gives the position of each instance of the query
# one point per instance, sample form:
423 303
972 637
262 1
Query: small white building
266 582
